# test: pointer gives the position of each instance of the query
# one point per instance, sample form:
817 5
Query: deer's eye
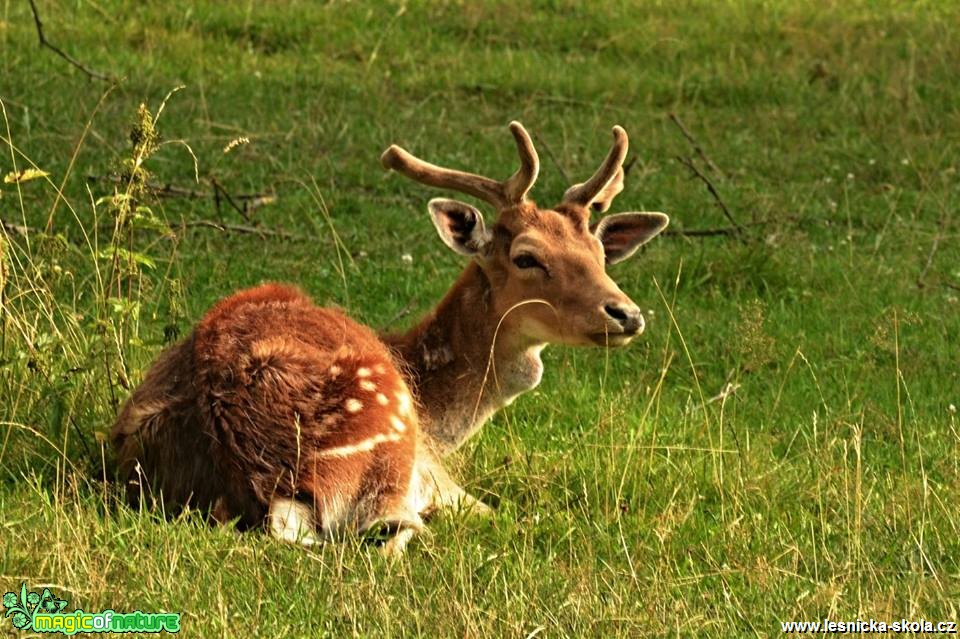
525 260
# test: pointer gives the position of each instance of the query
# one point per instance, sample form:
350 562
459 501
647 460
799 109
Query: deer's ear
622 234
460 225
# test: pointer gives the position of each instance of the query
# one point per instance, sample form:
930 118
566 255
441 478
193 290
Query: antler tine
605 177
500 194
516 188
416 169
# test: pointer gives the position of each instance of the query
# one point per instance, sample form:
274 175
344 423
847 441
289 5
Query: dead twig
941 226
729 230
714 232
242 203
23 231
729 389
403 312
926 267
237 228
19 229
693 142
687 162
219 190
91 73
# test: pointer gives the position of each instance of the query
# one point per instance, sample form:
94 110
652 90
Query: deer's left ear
460 225
623 233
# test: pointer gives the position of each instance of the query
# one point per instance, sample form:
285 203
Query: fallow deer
536 277
277 412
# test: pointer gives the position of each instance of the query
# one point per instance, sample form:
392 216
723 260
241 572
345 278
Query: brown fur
249 407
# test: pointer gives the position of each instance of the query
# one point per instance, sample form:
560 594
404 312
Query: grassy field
782 444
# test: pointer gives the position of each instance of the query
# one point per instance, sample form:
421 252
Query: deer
536 276
275 413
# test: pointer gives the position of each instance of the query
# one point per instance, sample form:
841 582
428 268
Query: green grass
631 503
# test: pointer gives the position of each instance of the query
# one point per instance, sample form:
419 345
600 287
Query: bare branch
236 228
711 232
710 187
219 189
91 73
729 389
19 229
941 226
403 312
721 231
693 142
243 203
23 231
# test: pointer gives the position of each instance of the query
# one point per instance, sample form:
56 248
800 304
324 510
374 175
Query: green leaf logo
22 608
20 620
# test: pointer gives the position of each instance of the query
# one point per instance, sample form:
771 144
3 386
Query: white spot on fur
363 372
403 399
335 370
292 521
362 447
367 385
397 423
380 370
382 399
353 405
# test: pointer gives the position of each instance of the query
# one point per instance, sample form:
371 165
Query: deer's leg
292 521
396 529
439 490
391 516
329 507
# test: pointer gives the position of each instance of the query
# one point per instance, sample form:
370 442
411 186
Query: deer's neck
458 378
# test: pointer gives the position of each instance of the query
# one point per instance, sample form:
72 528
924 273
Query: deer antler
500 194
598 192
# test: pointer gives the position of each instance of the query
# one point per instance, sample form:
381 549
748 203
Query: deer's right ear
460 225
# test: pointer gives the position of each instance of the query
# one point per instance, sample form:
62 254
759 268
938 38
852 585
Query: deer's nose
626 315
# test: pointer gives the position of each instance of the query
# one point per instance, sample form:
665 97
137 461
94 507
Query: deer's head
546 267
